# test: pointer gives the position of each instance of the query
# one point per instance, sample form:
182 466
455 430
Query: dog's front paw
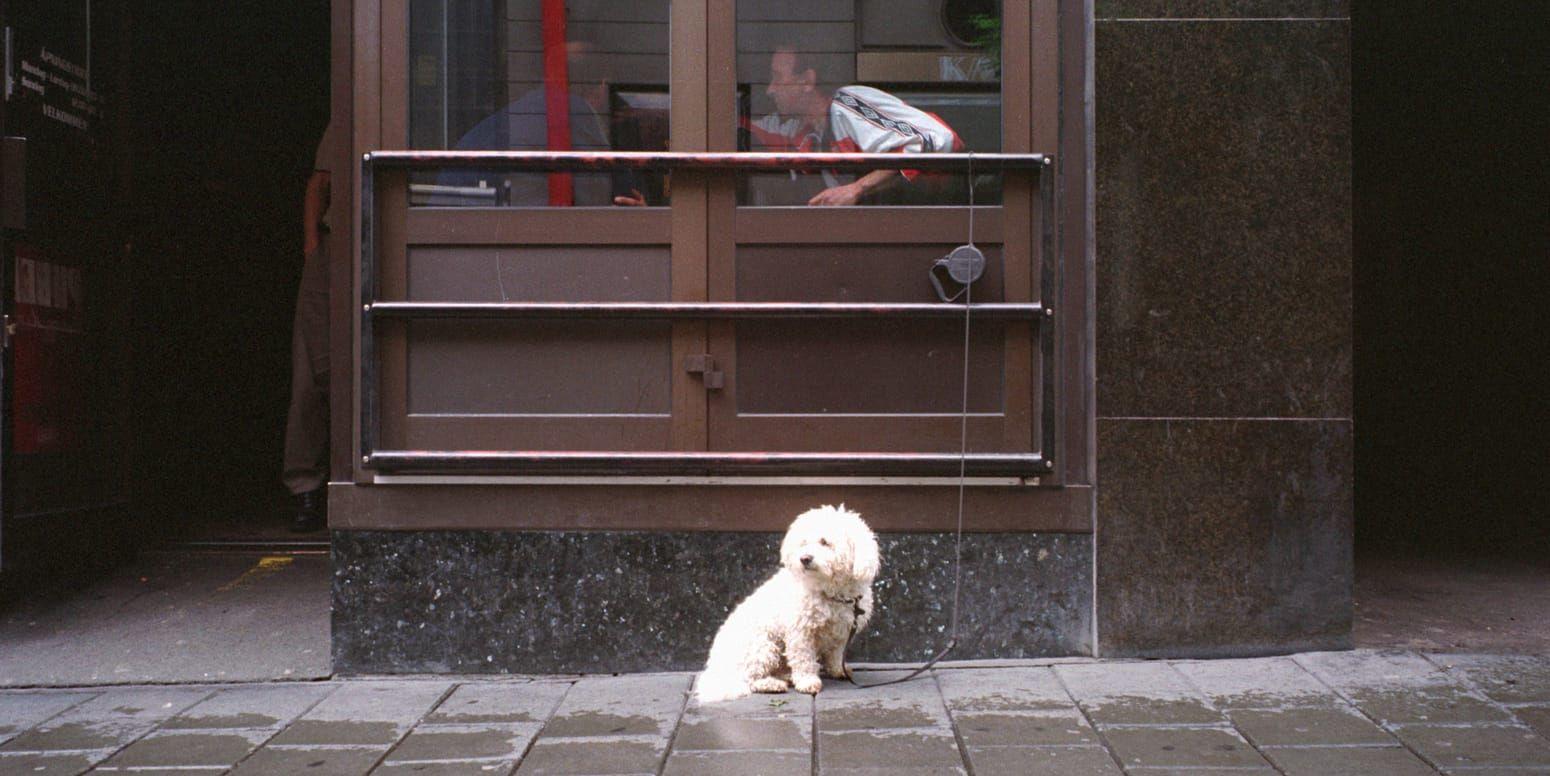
769 684
808 684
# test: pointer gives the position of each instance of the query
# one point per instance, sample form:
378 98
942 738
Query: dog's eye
824 542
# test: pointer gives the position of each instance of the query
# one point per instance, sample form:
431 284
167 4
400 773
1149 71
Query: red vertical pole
557 97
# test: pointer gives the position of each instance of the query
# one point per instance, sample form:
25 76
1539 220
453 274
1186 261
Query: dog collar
854 601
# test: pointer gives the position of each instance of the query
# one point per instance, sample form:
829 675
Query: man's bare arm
851 193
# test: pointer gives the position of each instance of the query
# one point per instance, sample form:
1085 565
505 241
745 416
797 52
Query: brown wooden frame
1058 43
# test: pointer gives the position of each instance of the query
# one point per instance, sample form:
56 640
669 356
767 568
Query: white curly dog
801 618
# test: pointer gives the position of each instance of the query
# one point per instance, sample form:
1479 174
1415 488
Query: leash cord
963 455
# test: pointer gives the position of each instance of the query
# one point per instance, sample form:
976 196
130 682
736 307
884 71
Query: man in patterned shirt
853 119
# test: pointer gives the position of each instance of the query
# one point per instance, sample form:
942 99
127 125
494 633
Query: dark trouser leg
306 425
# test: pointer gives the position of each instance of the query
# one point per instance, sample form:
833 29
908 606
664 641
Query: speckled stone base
544 602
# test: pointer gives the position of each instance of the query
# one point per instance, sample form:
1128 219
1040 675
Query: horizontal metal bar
605 160
685 464
705 310
743 481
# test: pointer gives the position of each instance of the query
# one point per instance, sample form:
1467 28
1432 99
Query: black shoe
310 510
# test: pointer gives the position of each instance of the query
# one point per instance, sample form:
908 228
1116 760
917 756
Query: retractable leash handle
964 265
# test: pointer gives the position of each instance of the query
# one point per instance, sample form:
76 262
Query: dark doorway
1452 231
228 104
1452 234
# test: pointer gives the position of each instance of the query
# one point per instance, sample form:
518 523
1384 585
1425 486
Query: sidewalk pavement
1331 713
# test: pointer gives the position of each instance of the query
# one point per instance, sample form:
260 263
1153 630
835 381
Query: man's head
794 84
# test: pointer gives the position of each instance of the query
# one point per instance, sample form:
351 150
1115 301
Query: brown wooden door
468 82
886 386
797 385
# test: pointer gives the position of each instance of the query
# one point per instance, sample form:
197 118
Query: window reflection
535 75
874 77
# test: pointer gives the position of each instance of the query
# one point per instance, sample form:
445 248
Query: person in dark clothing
306 427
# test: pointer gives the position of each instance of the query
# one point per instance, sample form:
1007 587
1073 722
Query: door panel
488 76
857 386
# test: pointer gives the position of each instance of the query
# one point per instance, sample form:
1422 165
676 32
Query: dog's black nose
807 560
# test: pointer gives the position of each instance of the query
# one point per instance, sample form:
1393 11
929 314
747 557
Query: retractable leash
964 265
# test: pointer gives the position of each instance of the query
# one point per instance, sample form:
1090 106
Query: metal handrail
700 311
689 464
679 463
573 161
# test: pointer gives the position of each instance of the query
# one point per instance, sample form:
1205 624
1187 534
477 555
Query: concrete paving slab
500 702
1268 771
921 689
1001 689
400 725
1309 726
480 768
173 771
257 706
1348 761
743 734
757 705
313 761
1182 748
177 617
1041 761
897 770
1536 717
1150 693
367 713
873 715
48 763
913 704
1257 683
70 736
1401 687
1496 771
1369 669
619 706
218 749
919 748
732 763
464 742
22 710
139 704
1503 678
1455 705
1047 727
310 732
1477 745
593 756
107 721
385 700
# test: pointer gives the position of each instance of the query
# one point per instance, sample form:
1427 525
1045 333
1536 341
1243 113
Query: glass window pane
875 76
534 75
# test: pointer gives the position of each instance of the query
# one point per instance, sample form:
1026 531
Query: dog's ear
865 559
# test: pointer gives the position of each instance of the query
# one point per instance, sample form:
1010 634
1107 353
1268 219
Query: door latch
705 366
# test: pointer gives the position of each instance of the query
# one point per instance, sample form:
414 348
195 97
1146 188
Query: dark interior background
1451 228
228 101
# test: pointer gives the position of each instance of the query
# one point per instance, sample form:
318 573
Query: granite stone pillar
1223 353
